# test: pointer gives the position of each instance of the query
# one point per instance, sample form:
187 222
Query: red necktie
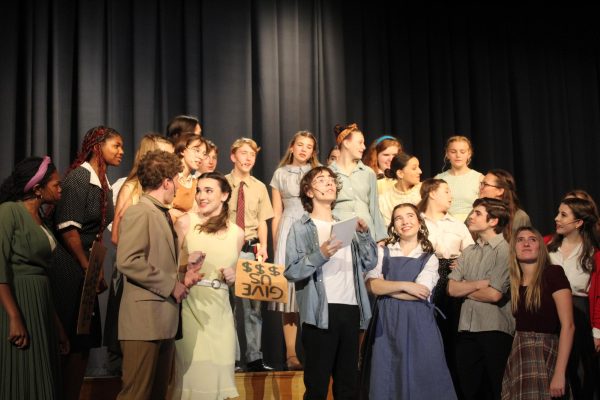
239 215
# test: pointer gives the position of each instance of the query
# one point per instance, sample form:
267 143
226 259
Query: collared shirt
578 278
76 187
448 236
428 277
485 260
359 198
165 210
257 204
94 179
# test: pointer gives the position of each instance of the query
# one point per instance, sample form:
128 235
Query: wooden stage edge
251 386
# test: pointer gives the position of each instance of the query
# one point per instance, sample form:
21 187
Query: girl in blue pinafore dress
407 354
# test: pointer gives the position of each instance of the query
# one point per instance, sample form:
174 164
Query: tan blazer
147 257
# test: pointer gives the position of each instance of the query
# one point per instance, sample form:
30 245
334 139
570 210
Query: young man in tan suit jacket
147 256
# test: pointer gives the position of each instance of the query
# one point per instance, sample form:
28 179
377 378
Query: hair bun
338 128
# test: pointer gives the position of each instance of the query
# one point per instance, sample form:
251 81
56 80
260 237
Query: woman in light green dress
205 356
29 327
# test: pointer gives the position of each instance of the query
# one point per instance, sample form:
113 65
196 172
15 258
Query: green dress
25 253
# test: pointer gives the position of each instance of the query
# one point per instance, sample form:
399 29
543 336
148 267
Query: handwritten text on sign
260 281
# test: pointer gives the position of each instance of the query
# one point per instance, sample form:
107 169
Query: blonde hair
533 291
288 158
149 142
242 141
457 138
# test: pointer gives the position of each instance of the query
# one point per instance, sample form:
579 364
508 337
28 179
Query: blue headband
381 139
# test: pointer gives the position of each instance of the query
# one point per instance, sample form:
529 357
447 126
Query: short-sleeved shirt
257 204
80 204
485 260
465 189
545 319
428 277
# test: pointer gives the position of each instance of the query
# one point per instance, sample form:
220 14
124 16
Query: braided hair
92 146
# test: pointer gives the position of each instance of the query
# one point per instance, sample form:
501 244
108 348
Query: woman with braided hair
80 218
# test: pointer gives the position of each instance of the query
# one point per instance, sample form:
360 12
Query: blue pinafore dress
407 353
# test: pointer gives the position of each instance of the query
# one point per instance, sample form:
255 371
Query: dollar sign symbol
246 266
259 269
274 271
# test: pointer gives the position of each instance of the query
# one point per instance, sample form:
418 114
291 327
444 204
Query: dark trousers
333 353
582 370
482 356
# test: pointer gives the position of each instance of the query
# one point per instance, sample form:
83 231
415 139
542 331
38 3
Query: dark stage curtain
522 83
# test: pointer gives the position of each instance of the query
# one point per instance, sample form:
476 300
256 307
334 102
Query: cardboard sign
88 294
260 281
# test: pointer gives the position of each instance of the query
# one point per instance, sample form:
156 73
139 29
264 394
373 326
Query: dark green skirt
34 372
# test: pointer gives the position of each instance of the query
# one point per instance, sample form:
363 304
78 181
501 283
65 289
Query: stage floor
251 386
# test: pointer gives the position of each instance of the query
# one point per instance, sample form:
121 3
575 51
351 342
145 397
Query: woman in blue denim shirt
330 288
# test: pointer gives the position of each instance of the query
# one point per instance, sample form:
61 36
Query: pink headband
39 175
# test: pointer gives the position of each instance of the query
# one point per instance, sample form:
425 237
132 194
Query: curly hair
422 234
148 143
306 185
156 166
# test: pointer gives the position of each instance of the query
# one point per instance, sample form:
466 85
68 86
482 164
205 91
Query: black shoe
258 366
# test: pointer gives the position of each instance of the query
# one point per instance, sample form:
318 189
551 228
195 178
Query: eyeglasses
324 180
483 184
197 150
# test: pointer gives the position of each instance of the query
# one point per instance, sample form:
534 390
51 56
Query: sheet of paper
344 230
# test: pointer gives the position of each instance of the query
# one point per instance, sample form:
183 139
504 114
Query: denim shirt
303 265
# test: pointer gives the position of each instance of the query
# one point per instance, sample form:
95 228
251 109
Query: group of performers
446 291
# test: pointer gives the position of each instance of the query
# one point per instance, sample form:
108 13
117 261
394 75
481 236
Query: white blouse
428 277
448 236
578 278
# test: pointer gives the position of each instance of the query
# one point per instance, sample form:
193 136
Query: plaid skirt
530 367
